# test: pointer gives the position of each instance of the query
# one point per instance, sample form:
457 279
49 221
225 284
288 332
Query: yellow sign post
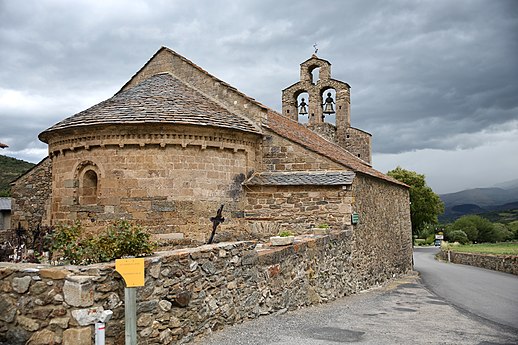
132 271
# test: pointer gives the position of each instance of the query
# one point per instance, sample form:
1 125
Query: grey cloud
424 75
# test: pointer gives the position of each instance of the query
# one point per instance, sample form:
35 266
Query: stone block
165 305
77 336
8 308
44 337
79 291
53 273
88 316
61 322
21 285
27 323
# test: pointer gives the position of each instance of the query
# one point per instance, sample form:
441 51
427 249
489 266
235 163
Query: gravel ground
402 312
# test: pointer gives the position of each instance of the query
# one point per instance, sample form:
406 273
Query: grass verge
503 248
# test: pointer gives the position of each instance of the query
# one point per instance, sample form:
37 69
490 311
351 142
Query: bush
477 229
121 238
458 236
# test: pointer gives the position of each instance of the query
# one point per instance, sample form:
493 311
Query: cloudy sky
435 82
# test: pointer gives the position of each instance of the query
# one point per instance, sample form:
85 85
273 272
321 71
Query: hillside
11 169
482 197
488 202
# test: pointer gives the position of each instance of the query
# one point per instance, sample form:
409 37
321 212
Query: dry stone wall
502 263
188 293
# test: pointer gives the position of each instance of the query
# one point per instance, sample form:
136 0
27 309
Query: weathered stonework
356 141
189 293
166 151
171 182
502 263
176 143
298 208
31 196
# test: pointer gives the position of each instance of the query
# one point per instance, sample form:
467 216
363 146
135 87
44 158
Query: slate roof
161 99
5 204
298 178
192 64
299 134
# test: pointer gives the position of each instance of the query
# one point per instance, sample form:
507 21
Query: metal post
100 328
130 313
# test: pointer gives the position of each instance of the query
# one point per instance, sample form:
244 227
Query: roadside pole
132 271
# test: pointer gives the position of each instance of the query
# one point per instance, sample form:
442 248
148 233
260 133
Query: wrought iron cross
215 222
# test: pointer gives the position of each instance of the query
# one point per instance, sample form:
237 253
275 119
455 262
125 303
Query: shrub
285 233
72 245
458 236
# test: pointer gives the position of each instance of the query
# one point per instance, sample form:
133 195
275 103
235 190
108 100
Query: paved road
488 294
402 312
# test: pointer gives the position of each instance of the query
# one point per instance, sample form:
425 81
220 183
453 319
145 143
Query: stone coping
266 254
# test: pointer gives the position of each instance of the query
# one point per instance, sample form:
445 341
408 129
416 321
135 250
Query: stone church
176 143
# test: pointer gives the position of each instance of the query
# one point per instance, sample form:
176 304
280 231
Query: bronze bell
303 107
328 105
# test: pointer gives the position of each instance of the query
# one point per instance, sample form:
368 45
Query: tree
467 224
477 229
425 205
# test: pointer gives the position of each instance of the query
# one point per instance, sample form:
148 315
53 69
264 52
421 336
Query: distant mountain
480 201
507 184
10 170
481 197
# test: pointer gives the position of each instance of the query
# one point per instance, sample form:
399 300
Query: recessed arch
87 177
328 103
88 188
302 101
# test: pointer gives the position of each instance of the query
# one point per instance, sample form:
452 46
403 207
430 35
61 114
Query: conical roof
160 99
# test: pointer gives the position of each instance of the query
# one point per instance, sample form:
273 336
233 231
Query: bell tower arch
327 99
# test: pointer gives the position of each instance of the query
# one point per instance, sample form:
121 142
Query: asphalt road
488 294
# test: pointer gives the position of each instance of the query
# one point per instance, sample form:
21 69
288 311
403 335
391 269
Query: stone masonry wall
384 230
172 187
297 208
502 263
279 154
358 143
31 197
188 293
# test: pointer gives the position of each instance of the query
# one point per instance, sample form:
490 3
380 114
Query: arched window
315 75
329 105
303 107
88 188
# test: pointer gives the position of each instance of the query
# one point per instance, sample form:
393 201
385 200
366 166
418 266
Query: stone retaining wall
187 293
502 263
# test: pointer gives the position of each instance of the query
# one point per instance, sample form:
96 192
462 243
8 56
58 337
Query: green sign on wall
355 218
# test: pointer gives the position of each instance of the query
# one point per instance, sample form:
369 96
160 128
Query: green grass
507 248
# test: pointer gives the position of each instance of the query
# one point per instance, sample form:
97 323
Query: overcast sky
435 82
